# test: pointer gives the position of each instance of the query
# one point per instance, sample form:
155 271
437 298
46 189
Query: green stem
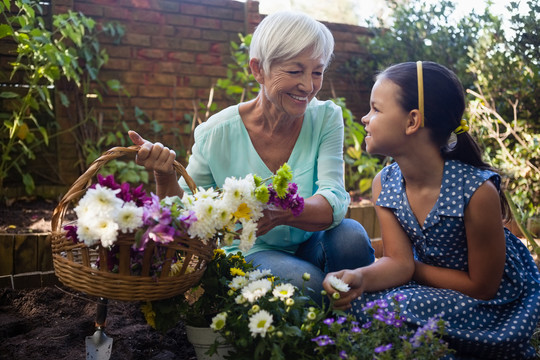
519 221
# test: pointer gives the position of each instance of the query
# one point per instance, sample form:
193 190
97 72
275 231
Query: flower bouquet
225 214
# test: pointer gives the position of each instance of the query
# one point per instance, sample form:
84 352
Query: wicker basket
72 262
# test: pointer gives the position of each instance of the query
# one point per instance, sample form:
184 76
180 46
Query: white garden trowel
99 345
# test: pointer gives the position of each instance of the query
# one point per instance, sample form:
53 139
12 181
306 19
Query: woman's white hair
285 34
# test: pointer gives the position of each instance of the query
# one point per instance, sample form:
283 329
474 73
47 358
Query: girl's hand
154 157
354 279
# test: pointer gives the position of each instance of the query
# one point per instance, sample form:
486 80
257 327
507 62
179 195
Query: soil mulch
52 323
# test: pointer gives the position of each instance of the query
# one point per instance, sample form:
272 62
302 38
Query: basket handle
85 181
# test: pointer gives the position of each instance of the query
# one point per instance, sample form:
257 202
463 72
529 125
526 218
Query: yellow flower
237 272
149 314
243 212
218 252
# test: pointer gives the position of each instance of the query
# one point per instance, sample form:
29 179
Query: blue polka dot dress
500 328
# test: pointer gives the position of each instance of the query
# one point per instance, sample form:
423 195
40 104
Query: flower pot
202 339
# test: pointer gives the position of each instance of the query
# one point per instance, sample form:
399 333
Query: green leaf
8 95
5 30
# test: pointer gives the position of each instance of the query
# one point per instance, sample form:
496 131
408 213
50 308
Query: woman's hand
159 159
153 156
354 279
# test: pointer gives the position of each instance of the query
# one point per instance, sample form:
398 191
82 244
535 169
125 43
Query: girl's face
292 84
386 121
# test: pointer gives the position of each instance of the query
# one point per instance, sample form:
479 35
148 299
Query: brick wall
171 54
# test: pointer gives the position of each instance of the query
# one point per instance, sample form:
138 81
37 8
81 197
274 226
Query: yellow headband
420 76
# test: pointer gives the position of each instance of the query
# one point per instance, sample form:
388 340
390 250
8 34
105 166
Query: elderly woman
289 54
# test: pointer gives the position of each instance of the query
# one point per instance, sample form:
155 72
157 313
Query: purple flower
356 329
107 181
343 354
368 305
71 233
323 340
400 297
328 321
341 319
367 325
383 348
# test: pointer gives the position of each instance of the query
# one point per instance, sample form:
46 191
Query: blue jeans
347 246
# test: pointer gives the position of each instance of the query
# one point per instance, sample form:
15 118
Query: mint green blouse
223 148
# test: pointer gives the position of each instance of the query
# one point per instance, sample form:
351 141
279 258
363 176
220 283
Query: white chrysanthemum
209 193
258 274
248 235
283 291
84 209
260 322
188 201
219 321
86 231
107 230
222 215
103 200
256 289
338 284
239 299
238 282
205 226
129 217
236 190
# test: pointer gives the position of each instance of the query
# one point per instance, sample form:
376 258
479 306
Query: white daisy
338 284
283 291
248 235
103 200
129 217
260 322
219 321
258 274
238 282
256 289
107 230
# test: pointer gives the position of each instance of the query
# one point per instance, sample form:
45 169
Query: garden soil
52 323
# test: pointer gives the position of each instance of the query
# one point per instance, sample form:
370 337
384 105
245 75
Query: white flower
283 291
338 284
248 235
258 274
238 282
260 322
205 211
86 232
219 321
129 217
107 230
103 200
256 289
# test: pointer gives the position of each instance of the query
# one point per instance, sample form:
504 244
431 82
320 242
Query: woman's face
292 84
386 121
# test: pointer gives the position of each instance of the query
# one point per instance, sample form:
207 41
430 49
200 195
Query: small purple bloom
323 340
367 325
383 348
343 354
328 321
341 319
71 233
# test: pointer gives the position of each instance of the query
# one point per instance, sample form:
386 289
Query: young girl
439 207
